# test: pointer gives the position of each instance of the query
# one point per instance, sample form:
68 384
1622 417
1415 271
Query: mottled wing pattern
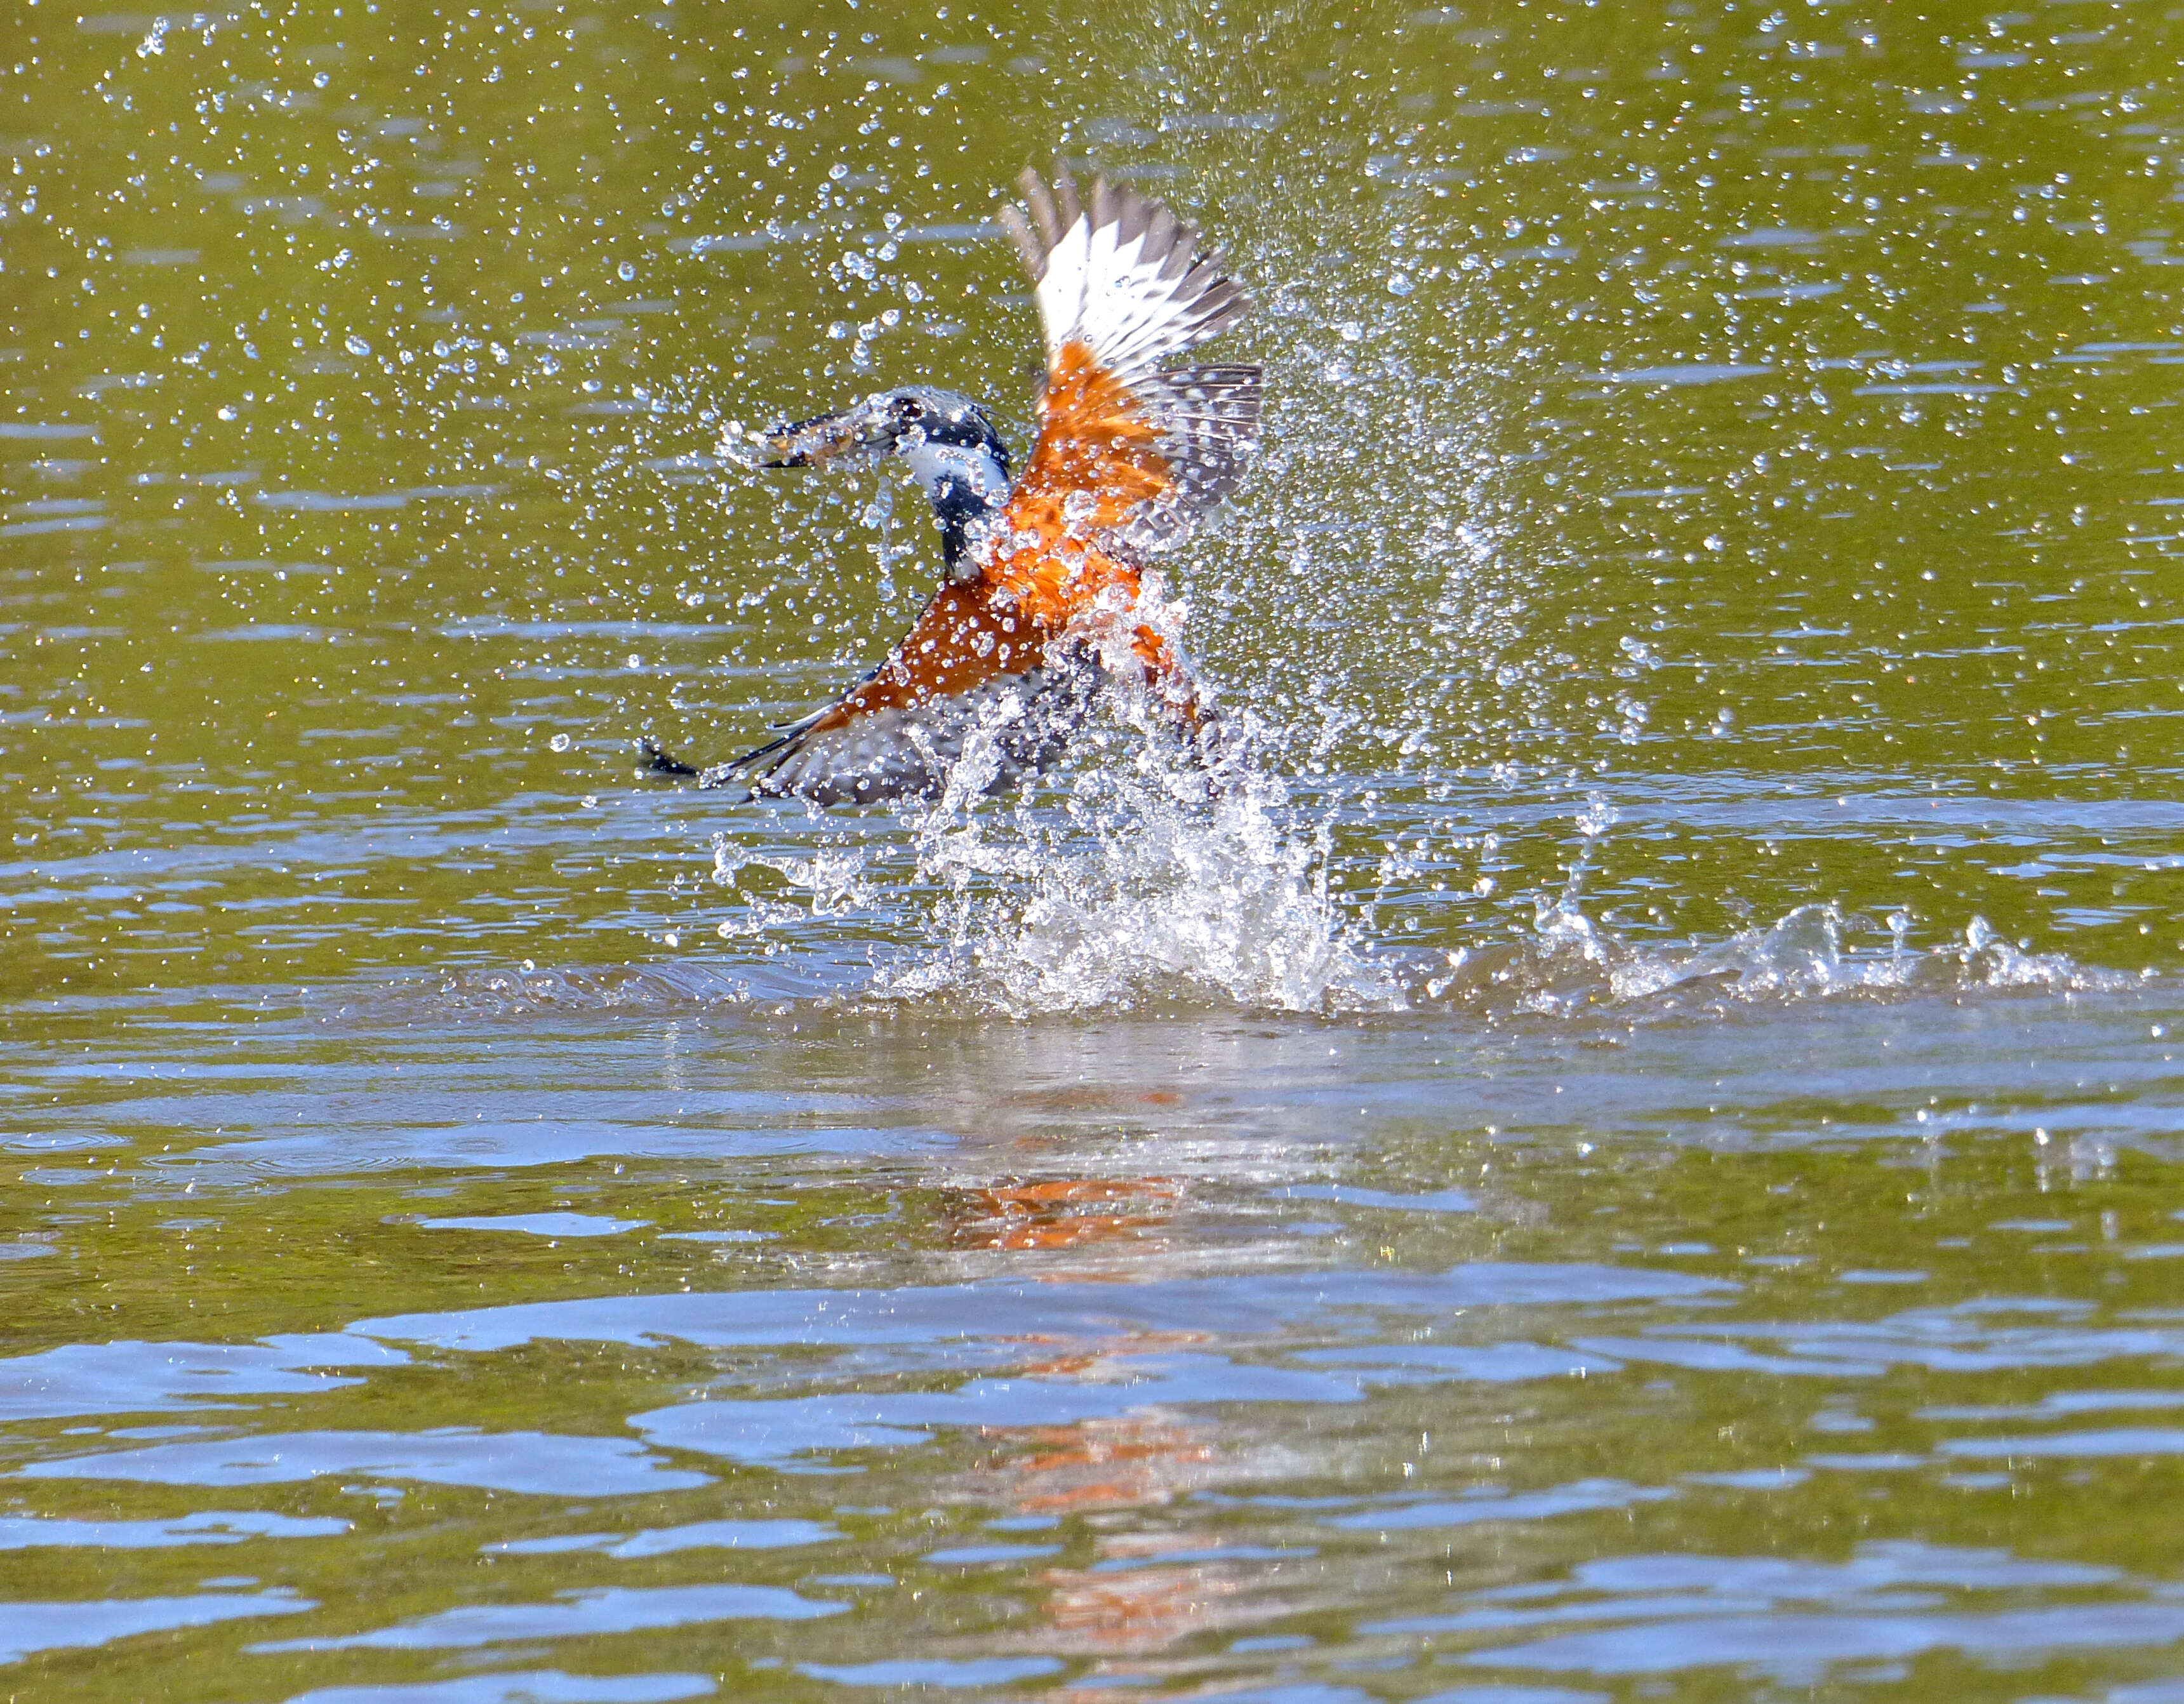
897 750
899 729
1129 454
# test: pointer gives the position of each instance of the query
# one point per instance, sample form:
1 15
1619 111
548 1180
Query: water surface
1633 1161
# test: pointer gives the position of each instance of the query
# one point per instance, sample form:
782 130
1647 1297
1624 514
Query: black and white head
950 443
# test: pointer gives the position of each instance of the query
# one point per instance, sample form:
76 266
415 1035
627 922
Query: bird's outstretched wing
1128 455
964 668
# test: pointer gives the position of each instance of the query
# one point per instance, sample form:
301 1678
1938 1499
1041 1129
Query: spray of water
1374 600
1135 885
1572 966
1357 599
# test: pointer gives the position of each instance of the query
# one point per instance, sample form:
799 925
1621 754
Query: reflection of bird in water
1157 1577
1070 1213
1042 601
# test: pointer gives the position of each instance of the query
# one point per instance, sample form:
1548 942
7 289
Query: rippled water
1627 1155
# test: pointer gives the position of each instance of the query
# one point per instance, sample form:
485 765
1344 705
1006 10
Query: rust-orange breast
1097 459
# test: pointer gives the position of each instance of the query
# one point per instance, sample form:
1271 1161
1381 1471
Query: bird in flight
1045 599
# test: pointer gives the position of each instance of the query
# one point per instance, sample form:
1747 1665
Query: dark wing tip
1042 211
1065 194
658 761
1029 247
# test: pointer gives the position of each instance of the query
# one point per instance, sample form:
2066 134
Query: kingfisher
1044 600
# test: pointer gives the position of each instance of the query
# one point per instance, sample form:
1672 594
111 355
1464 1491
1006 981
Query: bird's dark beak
863 433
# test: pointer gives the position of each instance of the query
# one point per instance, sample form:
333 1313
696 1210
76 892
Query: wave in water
1135 877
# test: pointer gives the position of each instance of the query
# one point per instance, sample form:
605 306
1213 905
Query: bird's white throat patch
938 465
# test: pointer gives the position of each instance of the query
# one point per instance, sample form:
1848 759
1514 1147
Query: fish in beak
857 435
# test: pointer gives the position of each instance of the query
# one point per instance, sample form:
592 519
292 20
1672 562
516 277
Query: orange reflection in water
1065 1214
1116 1476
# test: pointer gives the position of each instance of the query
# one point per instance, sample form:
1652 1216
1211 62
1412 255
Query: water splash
830 879
1140 877
1813 952
1989 960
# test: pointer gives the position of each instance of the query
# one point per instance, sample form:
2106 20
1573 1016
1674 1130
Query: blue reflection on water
541 1463
529 1686
975 1671
26 1628
579 1615
746 1536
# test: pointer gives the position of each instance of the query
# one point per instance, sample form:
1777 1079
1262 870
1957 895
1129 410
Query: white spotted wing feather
1122 278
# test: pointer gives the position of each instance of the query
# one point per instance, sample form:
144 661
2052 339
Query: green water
1634 1162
